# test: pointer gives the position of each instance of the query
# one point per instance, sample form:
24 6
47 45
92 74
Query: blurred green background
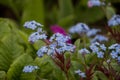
48 12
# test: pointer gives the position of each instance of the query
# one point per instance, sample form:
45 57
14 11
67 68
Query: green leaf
77 44
15 70
46 68
28 47
110 12
91 58
9 51
6 25
100 75
27 76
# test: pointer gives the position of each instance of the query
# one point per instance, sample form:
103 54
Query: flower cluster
79 28
39 34
92 3
99 38
98 48
92 32
115 51
58 44
80 73
29 68
32 24
83 30
84 51
114 21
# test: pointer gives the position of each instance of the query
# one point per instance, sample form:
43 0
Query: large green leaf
15 70
110 12
27 45
6 25
46 69
9 50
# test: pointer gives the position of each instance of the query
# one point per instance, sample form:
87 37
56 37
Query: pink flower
90 4
58 29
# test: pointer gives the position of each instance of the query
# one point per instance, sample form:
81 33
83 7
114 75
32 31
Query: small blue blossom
94 48
100 54
52 48
115 51
93 32
32 24
79 28
40 34
92 3
114 54
53 45
36 36
69 47
84 51
51 52
118 59
98 48
59 38
103 47
113 46
29 68
114 21
99 38
40 30
42 51
80 73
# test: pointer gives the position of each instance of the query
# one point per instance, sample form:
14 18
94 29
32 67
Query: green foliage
12 50
9 45
100 76
16 67
2 75
46 68
6 27
109 12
